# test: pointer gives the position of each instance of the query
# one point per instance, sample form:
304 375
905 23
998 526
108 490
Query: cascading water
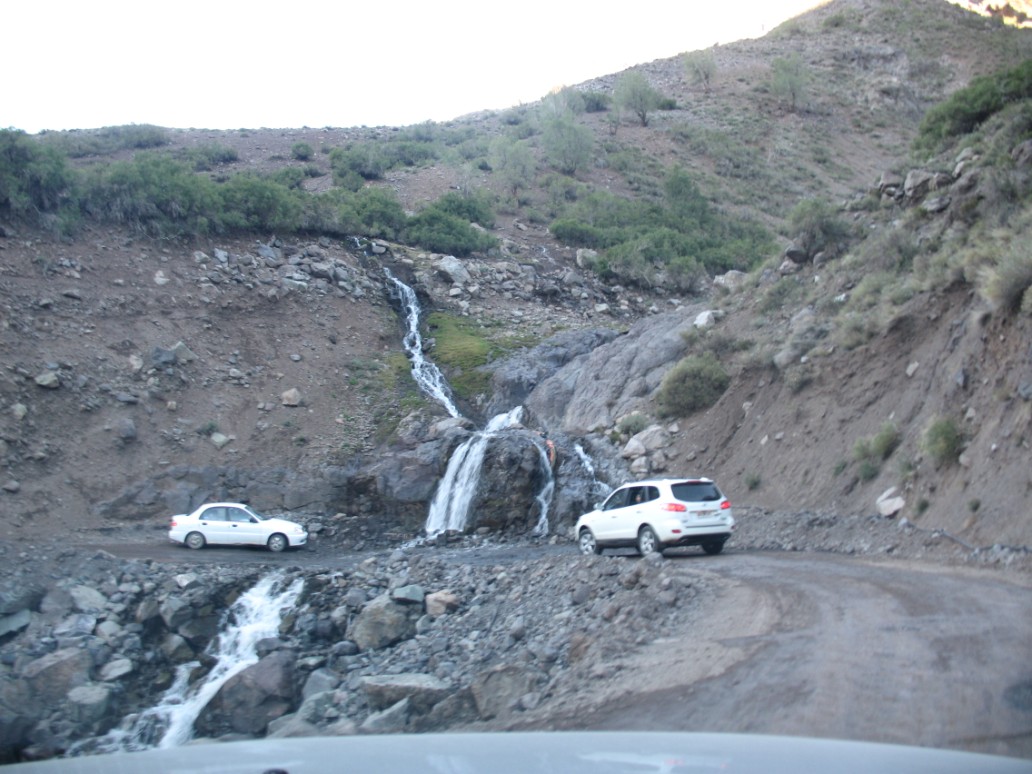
426 373
598 488
255 616
450 506
455 492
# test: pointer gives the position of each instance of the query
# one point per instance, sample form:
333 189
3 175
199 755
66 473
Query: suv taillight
675 507
725 505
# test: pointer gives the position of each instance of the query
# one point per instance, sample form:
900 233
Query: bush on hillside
34 178
943 441
437 230
250 202
207 157
109 139
965 109
301 151
1008 284
472 208
815 225
378 213
155 194
695 383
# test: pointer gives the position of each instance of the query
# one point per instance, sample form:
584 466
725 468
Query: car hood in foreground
572 753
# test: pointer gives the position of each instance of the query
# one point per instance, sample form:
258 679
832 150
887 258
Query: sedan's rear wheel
713 547
588 544
195 540
277 543
648 542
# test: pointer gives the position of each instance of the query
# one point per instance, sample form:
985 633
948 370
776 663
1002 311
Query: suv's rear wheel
648 542
587 542
713 547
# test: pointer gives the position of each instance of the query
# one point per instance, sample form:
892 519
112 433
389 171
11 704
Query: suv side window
617 499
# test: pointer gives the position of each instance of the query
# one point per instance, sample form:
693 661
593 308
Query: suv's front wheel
648 542
588 544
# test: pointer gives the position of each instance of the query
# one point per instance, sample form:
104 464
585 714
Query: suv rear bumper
696 539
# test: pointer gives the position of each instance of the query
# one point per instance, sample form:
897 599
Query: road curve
839 647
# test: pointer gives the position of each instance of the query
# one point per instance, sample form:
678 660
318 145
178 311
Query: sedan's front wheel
195 540
277 543
588 544
648 542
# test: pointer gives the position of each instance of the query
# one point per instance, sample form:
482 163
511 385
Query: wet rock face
513 474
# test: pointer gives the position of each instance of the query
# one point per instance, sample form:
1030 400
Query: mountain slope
127 421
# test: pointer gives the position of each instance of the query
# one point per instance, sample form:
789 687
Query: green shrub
155 194
632 424
107 140
885 441
206 157
440 232
966 108
34 178
943 441
1006 285
753 481
378 213
472 209
815 225
695 383
596 101
868 470
257 203
301 151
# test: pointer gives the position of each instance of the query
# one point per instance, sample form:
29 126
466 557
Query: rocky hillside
143 375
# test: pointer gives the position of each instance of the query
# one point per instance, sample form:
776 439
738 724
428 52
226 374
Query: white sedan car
235 524
659 514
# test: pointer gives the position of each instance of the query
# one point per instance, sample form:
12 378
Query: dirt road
806 644
830 646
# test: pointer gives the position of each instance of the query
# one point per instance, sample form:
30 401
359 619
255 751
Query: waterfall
455 492
450 506
255 616
598 488
426 373
544 497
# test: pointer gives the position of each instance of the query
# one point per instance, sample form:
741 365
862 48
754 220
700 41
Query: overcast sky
229 64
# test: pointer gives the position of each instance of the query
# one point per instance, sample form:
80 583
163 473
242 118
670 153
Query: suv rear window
696 491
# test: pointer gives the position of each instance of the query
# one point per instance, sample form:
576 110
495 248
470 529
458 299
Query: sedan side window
214 514
239 516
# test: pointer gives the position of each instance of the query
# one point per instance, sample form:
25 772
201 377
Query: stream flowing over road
838 647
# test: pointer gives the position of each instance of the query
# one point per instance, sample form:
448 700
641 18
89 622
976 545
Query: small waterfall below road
253 617
426 373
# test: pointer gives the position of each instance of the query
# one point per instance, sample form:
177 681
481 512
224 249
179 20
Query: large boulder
422 690
383 622
253 697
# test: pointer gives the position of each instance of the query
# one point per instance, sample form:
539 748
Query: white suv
658 514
